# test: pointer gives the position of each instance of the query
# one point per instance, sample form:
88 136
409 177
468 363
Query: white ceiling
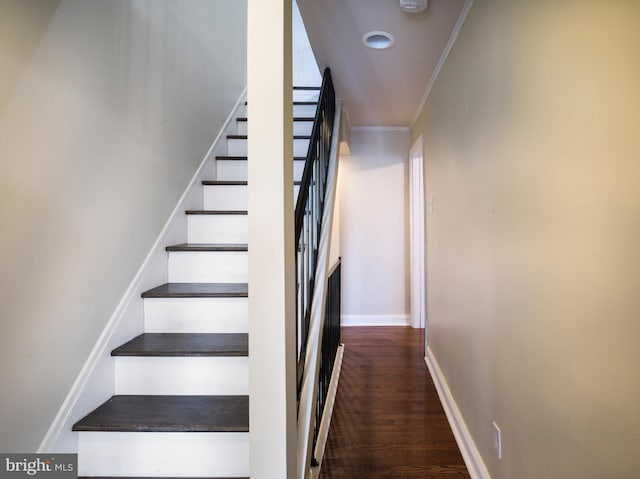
379 87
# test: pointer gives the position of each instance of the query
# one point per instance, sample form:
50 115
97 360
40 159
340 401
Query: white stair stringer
164 454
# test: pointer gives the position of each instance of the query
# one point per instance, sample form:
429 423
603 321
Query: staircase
181 401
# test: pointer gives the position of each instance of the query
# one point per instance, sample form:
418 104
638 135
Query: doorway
417 240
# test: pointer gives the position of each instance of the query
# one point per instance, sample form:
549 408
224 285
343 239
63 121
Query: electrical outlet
497 440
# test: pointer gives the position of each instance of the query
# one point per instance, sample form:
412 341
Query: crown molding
443 58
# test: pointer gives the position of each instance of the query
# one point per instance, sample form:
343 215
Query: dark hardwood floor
388 421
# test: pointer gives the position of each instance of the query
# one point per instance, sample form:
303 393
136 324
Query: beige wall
373 225
106 111
533 264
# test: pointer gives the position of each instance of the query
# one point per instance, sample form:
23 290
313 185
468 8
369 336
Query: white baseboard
375 320
470 453
95 382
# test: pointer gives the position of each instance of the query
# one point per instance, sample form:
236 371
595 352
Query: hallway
388 421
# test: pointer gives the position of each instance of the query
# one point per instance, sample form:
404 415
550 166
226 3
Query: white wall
374 239
305 68
532 147
108 111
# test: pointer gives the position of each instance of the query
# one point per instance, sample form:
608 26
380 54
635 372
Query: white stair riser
217 228
196 315
236 147
225 197
298 169
208 267
175 376
300 147
299 127
306 95
236 170
304 110
169 454
239 147
298 110
302 127
231 170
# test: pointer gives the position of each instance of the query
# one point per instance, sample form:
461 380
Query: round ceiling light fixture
413 6
378 40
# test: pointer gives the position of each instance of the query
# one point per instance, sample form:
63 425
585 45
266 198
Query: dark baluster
308 225
330 342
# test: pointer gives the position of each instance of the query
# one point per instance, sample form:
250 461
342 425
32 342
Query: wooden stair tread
245 137
198 290
232 158
244 158
296 103
230 183
138 477
224 183
295 118
185 344
169 414
188 247
216 212
307 88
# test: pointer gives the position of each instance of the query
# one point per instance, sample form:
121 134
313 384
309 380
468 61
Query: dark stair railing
330 343
308 213
317 322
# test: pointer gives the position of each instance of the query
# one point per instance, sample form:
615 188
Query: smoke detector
413 6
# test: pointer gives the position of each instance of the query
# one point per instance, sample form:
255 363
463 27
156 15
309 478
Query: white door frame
417 241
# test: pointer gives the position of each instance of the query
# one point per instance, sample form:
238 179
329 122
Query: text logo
46 466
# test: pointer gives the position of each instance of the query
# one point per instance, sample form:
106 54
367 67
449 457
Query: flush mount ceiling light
378 40
413 6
